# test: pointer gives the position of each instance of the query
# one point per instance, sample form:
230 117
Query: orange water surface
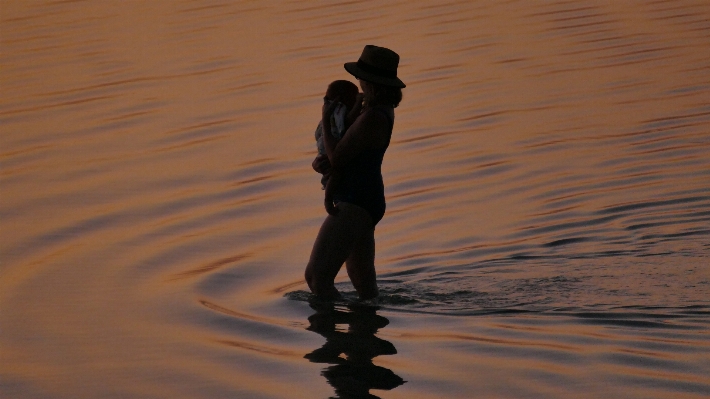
547 232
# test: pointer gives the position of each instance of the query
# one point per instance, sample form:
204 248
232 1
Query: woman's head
377 72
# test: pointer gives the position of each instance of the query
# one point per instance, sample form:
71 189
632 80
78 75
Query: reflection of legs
361 265
333 245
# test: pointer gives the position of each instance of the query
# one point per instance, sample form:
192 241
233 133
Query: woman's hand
355 112
321 164
330 208
329 189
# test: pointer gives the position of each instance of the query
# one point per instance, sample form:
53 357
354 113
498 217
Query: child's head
346 90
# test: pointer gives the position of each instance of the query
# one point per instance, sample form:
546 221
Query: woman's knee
309 277
319 283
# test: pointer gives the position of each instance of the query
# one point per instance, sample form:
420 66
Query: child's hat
376 65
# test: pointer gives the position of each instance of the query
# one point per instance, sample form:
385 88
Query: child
345 112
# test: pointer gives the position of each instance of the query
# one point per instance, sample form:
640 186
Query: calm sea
548 201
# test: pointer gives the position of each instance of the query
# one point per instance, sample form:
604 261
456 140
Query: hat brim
354 70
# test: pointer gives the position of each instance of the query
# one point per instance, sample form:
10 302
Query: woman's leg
361 266
334 244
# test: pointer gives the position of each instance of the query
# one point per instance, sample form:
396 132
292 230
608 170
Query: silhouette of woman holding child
354 196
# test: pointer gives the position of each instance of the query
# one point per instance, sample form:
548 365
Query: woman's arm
368 131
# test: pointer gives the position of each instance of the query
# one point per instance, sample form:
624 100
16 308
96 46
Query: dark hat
376 65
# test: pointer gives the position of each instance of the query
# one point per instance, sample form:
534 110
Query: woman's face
365 86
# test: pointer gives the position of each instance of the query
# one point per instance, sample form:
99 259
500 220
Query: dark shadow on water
350 346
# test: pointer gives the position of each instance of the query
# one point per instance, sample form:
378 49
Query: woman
348 232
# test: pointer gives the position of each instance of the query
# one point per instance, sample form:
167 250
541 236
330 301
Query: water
548 187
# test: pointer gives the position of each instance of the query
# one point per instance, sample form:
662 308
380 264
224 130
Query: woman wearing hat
348 232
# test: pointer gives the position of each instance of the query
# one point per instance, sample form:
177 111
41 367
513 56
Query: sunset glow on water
547 232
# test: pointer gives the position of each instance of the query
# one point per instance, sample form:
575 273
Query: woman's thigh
336 240
361 265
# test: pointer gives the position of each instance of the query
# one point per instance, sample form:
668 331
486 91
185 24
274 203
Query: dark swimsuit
362 183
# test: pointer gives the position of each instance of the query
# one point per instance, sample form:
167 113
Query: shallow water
548 201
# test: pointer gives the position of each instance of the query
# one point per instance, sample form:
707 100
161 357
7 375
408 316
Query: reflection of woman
350 352
348 232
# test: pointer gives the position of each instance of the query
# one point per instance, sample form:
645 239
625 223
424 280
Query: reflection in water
351 350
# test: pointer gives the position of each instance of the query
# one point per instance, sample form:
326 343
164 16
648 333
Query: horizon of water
547 232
